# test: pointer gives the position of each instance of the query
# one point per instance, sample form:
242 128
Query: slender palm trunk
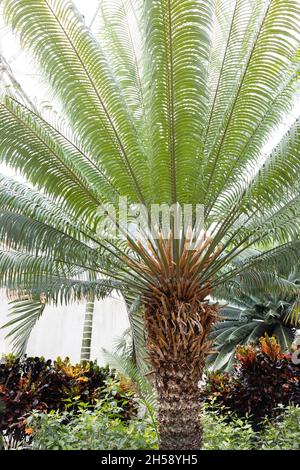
85 354
177 345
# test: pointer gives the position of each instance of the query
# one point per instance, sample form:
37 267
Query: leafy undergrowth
33 383
263 379
58 406
102 429
280 433
99 429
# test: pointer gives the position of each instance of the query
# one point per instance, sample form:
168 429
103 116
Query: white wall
59 331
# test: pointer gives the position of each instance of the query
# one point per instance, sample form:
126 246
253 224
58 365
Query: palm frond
255 310
24 315
271 59
135 315
48 159
177 42
119 34
30 302
77 69
126 367
239 30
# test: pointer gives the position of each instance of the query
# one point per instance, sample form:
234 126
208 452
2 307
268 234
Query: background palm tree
181 112
27 305
85 353
251 313
129 358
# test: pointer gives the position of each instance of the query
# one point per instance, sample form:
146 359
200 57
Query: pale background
59 331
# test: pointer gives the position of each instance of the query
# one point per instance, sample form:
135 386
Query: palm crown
179 112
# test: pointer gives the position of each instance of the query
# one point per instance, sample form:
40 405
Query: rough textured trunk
178 416
177 345
178 319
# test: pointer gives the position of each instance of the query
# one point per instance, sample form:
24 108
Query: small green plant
101 428
283 432
219 433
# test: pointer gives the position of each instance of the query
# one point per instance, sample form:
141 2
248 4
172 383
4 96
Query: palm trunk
85 354
178 318
177 345
179 408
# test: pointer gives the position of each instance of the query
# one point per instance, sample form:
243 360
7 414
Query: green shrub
283 432
263 379
36 384
102 428
99 429
219 433
53 406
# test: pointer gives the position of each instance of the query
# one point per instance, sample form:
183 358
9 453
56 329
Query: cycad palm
187 122
252 312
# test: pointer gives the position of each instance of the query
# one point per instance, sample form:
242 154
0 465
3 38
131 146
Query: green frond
280 171
239 259
292 316
272 57
285 336
21 233
77 68
136 319
33 210
278 224
48 160
21 199
25 314
21 269
249 285
29 303
177 47
119 34
279 257
253 311
239 334
123 345
65 291
223 358
263 185
259 331
222 24
238 33
126 367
